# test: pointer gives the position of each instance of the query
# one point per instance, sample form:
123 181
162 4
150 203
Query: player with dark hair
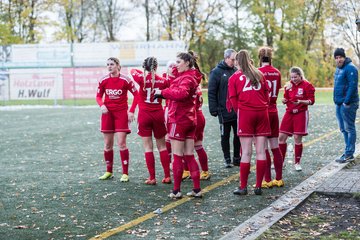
115 117
151 118
182 120
249 97
273 79
298 95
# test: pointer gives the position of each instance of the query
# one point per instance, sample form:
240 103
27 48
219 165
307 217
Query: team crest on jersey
300 91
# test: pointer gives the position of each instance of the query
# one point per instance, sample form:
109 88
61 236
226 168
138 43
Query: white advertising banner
40 55
129 53
36 84
88 54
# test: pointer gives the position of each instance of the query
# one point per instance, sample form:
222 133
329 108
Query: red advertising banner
83 82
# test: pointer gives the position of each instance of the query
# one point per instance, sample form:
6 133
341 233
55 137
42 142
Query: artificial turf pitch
51 159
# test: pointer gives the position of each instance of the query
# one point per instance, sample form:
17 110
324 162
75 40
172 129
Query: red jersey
199 99
273 79
115 90
168 78
145 98
303 91
244 96
182 95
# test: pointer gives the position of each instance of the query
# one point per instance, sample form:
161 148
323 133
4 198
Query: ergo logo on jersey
113 92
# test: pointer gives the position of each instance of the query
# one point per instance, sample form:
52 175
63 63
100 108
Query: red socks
260 170
177 172
298 152
283 147
109 160
278 163
244 174
168 148
165 162
203 158
124 155
150 163
267 175
194 170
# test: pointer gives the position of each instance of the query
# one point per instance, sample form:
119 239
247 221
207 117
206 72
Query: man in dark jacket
346 99
217 94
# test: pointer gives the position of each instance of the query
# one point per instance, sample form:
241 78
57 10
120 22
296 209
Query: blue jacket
346 83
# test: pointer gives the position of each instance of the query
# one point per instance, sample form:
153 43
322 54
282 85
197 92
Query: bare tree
349 28
112 16
168 11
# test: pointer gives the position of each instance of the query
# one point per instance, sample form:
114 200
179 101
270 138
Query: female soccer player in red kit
115 118
151 118
298 94
273 79
182 121
249 97
169 77
199 136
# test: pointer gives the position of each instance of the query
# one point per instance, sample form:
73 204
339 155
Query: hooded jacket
346 83
182 96
217 92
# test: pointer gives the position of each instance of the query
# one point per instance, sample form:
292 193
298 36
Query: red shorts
274 124
115 121
200 126
149 122
295 123
253 123
180 132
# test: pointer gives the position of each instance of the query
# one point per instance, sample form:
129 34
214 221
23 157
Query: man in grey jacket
217 94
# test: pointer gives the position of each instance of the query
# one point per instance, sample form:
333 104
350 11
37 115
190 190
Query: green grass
322 96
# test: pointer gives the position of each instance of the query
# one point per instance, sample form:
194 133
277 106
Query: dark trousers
225 130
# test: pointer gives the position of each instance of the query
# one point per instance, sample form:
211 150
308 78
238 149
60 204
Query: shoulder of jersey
159 76
124 77
103 78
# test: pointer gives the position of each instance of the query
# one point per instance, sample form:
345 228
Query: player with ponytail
151 118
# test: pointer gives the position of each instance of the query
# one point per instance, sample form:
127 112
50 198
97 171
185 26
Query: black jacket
217 92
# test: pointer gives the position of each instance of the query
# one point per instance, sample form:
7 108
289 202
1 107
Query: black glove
157 94
214 114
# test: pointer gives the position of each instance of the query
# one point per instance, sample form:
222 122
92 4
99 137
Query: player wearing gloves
151 117
182 121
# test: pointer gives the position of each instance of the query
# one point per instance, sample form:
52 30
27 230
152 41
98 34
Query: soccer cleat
257 191
266 184
185 175
178 195
194 194
150 181
205 175
106 176
298 167
278 183
240 191
124 178
166 180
